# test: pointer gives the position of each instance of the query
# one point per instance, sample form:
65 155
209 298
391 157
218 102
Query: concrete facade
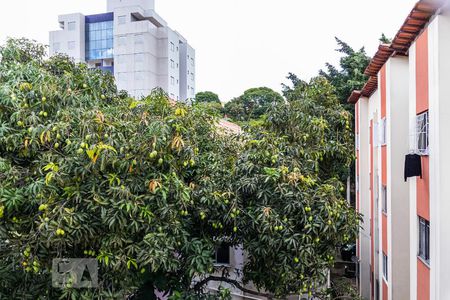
134 43
410 94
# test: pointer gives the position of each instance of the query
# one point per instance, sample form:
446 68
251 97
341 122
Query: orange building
403 152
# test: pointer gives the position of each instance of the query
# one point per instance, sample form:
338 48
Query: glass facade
99 36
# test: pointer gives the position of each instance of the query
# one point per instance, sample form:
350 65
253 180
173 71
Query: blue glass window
99 37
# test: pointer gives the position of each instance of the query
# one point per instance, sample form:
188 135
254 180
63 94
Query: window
172 47
376 139
172 64
138 39
122 20
385 267
56 47
138 58
192 61
383 132
99 40
138 76
71 45
422 129
172 80
384 198
120 59
123 77
71 26
192 76
122 41
424 239
222 255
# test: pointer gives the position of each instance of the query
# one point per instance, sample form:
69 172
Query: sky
240 44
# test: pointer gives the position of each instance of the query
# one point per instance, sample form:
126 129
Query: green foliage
207 96
212 108
294 202
150 189
252 104
384 39
350 74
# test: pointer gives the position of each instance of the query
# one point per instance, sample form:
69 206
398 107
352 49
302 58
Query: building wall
381 165
62 40
143 4
429 90
397 103
364 198
144 57
419 187
439 110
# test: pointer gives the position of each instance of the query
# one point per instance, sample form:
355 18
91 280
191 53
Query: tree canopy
207 96
252 104
349 75
150 189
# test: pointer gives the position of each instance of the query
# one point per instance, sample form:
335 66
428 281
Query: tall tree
150 189
252 104
349 75
207 96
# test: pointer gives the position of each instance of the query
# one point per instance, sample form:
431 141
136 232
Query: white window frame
423 249
357 141
422 133
385 267
384 204
376 139
172 80
71 26
172 64
56 47
383 131
172 47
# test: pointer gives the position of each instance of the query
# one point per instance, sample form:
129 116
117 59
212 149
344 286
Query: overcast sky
240 44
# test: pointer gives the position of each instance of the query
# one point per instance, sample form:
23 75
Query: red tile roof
417 20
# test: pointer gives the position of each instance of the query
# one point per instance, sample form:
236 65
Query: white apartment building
134 43
402 119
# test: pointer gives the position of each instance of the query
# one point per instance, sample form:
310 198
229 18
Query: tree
349 75
252 104
207 97
384 39
150 189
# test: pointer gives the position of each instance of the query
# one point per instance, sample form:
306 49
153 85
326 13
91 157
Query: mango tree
149 188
